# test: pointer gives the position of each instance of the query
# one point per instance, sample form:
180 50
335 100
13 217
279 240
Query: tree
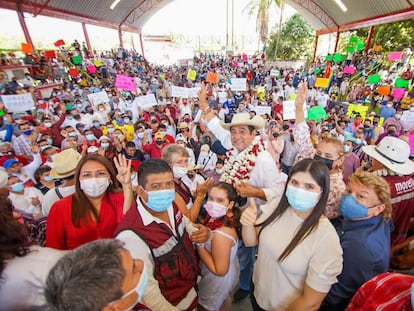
297 38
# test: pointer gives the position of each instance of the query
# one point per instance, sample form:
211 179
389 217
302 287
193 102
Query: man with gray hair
100 275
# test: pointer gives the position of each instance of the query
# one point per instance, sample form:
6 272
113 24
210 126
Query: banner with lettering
18 103
146 101
99 97
289 110
238 84
125 83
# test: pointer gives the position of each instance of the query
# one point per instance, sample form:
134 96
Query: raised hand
123 166
249 215
203 188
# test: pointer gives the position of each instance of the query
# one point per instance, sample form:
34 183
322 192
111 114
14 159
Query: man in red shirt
155 147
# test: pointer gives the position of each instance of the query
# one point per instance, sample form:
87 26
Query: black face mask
77 117
285 127
327 162
375 122
391 132
190 175
366 126
158 142
275 135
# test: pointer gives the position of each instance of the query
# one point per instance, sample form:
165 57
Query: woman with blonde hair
365 233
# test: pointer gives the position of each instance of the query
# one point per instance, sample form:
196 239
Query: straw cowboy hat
393 153
65 163
244 119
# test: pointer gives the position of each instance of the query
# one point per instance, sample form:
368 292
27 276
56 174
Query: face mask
110 130
90 137
351 208
27 132
49 141
94 187
120 137
327 162
73 134
215 210
17 187
375 122
78 105
140 135
366 126
48 178
139 289
358 141
180 172
101 109
96 124
397 116
69 117
301 200
391 132
126 120
105 145
389 105
219 170
347 148
158 142
188 120
77 117
160 200
48 124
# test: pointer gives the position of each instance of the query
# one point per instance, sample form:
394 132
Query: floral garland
238 169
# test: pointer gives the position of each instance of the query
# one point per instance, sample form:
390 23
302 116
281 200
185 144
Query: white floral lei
237 170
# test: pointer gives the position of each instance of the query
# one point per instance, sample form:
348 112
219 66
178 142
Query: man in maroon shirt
155 147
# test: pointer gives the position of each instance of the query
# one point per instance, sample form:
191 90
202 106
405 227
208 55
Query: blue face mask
27 132
358 141
96 124
160 200
90 137
49 141
301 200
351 208
48 178
17 187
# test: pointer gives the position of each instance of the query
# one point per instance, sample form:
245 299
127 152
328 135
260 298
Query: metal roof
324 15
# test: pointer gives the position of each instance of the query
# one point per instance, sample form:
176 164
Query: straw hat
65 163
244 119
393 153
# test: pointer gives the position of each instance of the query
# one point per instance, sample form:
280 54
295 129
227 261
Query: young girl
219 266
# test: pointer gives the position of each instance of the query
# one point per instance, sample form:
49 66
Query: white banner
408 119
238 84
193 92
18 103
146 101
289 110
261 110
97 98
184 92
274 73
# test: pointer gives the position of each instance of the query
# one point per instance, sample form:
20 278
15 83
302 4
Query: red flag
50 54
74 72
59 42
328 70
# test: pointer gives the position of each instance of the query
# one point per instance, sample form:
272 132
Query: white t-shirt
316 261
51 197
23 280
23 202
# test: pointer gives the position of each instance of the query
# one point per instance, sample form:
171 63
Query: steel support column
370 34
337 41
142 44
316 47
23 24
85 34
121 42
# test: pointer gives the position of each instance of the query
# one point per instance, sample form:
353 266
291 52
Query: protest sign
27 48
99 97
407 119
18 103
374 79
192 74
193 92
97 62
77 59
261 110
289 110
146 101
398 93
322 82
394 56
125 83
212 77
349 70
59 42
238 84
402 83
179 91
91 69
317 113
73 72
274 73
50 54
384 90
354 110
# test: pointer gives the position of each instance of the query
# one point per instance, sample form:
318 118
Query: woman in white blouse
299 253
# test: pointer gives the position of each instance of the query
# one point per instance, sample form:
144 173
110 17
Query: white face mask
397 116
94 187
140 135
180 172
48 124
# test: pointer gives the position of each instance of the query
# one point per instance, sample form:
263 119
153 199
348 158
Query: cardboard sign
59 43
77 59
394 56
349 70
193 92
27 47
238 84
354 110
18 103
125 83
50 54
374 79
73 72
146 101
322 82
192 74
398 93
212 77
91 69
99 97
274 73
261 110
97 62
179 91
317 113
402 83
408 119
384 90
289 110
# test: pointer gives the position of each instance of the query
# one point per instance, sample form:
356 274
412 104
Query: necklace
237 169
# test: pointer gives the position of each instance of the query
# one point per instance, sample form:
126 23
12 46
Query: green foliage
296 40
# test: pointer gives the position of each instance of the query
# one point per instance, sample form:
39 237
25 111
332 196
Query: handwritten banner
322 82
125 83
261 110
99 97
408 119
146 101
18 103
354 110
398 93
238 84
289 110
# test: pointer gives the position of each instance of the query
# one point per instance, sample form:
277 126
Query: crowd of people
195 203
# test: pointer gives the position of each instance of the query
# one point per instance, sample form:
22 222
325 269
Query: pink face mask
215 210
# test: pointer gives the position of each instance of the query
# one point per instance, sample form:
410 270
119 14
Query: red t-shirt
62 234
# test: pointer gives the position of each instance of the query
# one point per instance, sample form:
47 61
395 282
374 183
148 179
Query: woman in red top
96 207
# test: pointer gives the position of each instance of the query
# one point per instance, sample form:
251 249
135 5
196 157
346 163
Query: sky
198 23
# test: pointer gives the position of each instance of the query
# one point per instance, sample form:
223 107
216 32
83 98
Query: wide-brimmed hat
393 153
244 119
65 163
180 137
183 125
193 167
